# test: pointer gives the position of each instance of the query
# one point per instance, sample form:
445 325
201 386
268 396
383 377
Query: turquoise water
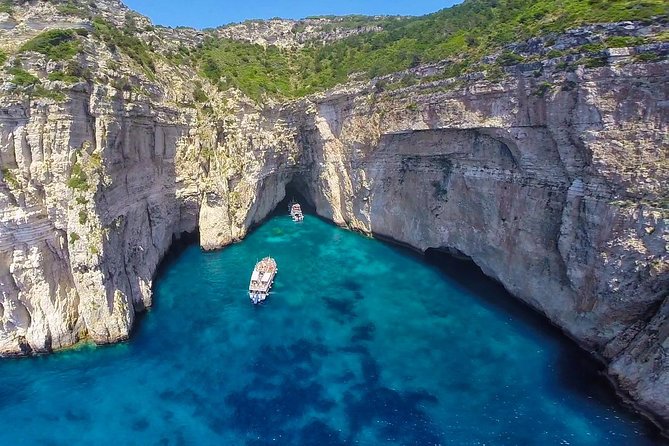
361 343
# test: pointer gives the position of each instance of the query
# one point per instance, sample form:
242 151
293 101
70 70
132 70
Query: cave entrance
297 190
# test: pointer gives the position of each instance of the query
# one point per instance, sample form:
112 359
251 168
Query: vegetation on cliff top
466 32
56 44
463 34
125 40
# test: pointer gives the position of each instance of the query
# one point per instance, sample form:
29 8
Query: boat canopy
255 276
266 277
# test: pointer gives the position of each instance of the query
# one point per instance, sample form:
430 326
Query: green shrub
22 78
592 48
542 89
74 237
6 6
554 54
198 94
9 178
594 62
508 58
122 84
648 57
3 57
76 70
56 44
624 41
56 95
83 217
26 80
494 73
78 178
112 66
252 68
95 161
562 66
63 77
408 81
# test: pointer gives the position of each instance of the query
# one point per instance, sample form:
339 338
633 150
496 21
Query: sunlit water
361 343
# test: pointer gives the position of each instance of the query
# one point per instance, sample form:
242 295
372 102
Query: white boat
295 211
262 279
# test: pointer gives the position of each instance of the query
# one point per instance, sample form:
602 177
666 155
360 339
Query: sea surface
360 343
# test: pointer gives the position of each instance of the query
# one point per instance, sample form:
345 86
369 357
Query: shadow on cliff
179 244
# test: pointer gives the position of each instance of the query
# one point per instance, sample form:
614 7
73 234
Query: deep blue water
361 343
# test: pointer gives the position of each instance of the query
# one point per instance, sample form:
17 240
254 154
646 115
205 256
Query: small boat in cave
262 279
295 211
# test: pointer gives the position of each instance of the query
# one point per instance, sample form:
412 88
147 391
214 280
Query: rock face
554 183
77 260
295 33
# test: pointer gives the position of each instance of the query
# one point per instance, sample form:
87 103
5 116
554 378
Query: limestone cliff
294 33
552 176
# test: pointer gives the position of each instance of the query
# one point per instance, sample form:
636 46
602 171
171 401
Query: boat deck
262 279
296 212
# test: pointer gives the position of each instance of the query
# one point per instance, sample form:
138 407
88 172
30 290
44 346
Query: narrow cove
361 342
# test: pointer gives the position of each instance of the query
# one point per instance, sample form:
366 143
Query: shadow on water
575 368
293 390
178 246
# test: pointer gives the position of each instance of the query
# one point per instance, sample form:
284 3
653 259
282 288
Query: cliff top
288 59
